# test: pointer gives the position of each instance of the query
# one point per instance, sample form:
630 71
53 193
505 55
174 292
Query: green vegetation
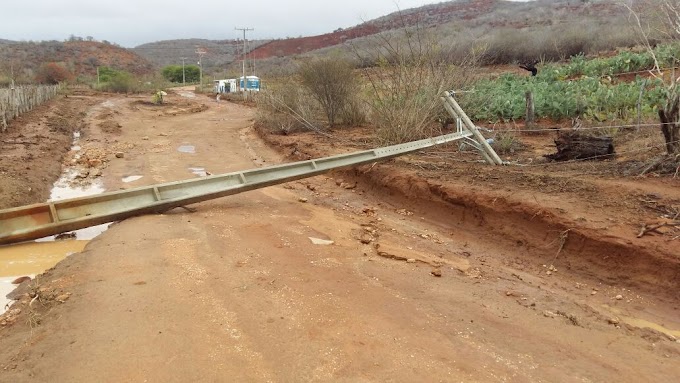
173 73
624 62
586 88
112 80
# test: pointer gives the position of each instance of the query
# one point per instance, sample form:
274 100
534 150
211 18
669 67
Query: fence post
17 100
639 104
530 112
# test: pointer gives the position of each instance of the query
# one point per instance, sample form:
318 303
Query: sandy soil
436 272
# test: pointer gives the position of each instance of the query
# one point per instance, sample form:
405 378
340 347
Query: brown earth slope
81 58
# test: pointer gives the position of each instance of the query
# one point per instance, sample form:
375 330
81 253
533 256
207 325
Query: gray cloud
133 22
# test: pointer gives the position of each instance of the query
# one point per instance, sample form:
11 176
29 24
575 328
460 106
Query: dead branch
564 236
655 228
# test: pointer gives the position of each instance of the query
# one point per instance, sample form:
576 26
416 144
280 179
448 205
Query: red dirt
436 273
529 207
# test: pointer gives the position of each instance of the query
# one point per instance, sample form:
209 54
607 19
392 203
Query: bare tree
331 82
407 71
661 18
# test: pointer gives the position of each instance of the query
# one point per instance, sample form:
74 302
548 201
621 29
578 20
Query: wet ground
250 287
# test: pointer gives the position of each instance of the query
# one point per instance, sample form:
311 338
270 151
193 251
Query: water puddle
187 149
67 187
29 259
129 179
187 94
642 323
76 139
201 172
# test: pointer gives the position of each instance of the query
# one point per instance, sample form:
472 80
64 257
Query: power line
184 78
200 52
602 127
245 83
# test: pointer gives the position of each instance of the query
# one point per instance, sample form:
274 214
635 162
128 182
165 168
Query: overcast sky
134 22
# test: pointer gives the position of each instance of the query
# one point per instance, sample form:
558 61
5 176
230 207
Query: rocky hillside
219 53
458 14
80 57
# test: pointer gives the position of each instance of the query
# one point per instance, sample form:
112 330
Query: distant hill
219 53
81 57
453 16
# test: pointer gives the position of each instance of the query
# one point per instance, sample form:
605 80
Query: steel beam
45 219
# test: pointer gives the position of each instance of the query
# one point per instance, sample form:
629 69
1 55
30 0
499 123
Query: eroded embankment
544 238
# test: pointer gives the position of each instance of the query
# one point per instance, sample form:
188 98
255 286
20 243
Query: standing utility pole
200 52
184 77
244 55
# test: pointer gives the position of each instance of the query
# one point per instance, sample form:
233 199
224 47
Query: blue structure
252 83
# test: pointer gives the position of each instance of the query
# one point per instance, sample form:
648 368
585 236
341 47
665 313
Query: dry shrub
331 81
53 73
507 142
285 107
404 89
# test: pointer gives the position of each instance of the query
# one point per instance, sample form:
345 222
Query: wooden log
576 146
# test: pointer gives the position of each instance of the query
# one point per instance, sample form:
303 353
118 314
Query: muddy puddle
32 258
642 323
201 172
67 187
189 149
129 179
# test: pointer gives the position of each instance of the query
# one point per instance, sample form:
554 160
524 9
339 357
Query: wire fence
21 99
557 163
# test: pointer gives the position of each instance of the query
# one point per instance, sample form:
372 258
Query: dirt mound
110 127
169 108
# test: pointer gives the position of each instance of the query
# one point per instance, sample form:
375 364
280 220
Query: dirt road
238 291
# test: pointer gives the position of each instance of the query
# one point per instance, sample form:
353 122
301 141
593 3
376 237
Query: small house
225 86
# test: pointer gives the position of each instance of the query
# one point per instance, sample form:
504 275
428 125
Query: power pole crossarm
200 52
243 56
184 77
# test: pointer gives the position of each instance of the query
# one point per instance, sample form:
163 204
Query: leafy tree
173 73
113 80
52 73
106 74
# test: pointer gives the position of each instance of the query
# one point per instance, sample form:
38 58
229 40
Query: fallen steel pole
45 219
